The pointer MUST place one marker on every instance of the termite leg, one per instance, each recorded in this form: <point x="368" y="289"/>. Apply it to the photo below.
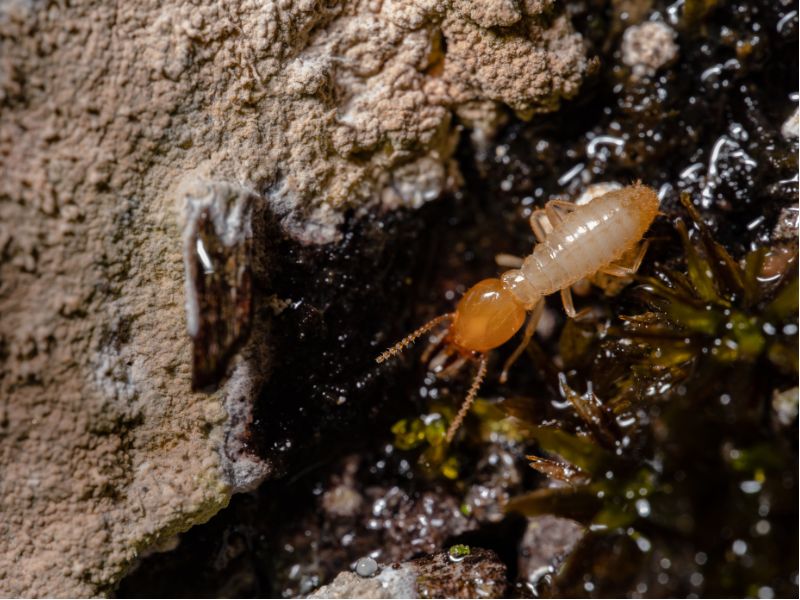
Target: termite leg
<point x="471" y="395"/>
<point x="452" y="368"/>
<point x="433" y="343"/>
<point x="553" y="207"/>
<point x="530" y="329"/>
<point x="637" y="262"/>
<point x="540" y="225"/>
<point x="409" y="339"/>
<point x="437" y="363"/>
<point x="508" y="261"/>
<point x="569" y="305"/>
<point x="623" y="270"/>
<point x="617" y="270"/>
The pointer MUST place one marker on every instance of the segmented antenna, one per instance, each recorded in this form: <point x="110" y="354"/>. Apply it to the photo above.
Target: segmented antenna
<point x="471" y="395"/>
<point x="410" y="338"/>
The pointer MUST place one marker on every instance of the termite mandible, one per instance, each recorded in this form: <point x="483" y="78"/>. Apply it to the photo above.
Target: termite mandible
<point x="574" y="242"/>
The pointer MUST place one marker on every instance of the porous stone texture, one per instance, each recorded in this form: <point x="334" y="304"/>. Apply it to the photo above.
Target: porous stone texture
<point x="391" y="582"/>
<point x="479" y="574"/>
<point x="115" y="120"/>
<point x="548" y="540"/>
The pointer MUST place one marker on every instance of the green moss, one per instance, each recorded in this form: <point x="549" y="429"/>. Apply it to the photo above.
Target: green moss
<point x="679" y="449"/>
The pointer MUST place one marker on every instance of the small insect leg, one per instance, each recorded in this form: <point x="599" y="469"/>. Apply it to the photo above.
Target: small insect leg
<point x="616" y="270"/>
<point x="637" y="262"/>
<point x="508" y="261"/>
<point x="452" y="368"/>
<point x="556" y="209"/>
<point x="471" y="395"/>
<point x="569" y="305"/>
<point x="433" y="343"/>
<point x="530" y="329"/>
<point x="438" y="362"/>
<point x="620" y="269"/>
<point x="540" y="225"/>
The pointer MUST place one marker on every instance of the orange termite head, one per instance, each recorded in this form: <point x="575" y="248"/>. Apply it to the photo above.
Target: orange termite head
<point x="486" y="317"/>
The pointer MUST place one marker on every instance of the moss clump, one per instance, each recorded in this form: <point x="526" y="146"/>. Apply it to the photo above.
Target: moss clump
<point x="458" y="551"/>
<point x="683" y="473"/>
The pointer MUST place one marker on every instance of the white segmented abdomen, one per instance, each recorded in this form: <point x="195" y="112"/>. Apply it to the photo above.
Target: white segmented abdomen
<point x="585" y="241"/>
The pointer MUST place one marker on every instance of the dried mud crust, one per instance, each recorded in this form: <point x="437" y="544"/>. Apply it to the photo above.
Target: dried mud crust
<point x="114" y="120"/>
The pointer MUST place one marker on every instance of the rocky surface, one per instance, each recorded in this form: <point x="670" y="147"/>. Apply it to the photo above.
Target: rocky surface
<point x="477" y="574"/>
<point x="143" y="147"/>
<point x="389" y="523"/>
<point x="548" y="540"/>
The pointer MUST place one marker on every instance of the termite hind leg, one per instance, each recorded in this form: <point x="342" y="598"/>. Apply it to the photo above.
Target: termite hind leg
<point x="637" y="262"/>
<point x="620" y="269"/>
<point x="508" y="261"/>
<point x="409" y="339"/>
<point x="530" y="329"/>
<point x="471" y="395"/>
<point x="617" y="270"/>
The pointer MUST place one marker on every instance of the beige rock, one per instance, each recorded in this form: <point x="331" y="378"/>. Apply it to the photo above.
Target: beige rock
<point x="116" y="120"/>
<point x="477" y="574"/>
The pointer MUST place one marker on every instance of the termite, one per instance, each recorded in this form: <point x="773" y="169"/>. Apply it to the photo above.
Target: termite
<point x="574" y="242"/>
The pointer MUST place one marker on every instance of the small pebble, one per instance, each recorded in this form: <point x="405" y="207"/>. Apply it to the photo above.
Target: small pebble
<point x="366" y="567"/>
<point x="648" y="47"/>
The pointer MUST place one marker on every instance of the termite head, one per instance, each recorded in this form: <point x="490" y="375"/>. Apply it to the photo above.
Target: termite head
<point x="486" y="317"/>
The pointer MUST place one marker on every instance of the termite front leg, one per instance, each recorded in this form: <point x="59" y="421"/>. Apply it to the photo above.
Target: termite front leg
<point x="453" y="368"/>
<point x="530" y="329"/>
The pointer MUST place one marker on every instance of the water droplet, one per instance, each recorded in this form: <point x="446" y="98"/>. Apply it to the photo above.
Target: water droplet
<point x="366" y="567"/>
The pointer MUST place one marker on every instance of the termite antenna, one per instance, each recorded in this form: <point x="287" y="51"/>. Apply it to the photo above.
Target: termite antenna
<point x="471" y="395"/>
<point x="410" y="338"/>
